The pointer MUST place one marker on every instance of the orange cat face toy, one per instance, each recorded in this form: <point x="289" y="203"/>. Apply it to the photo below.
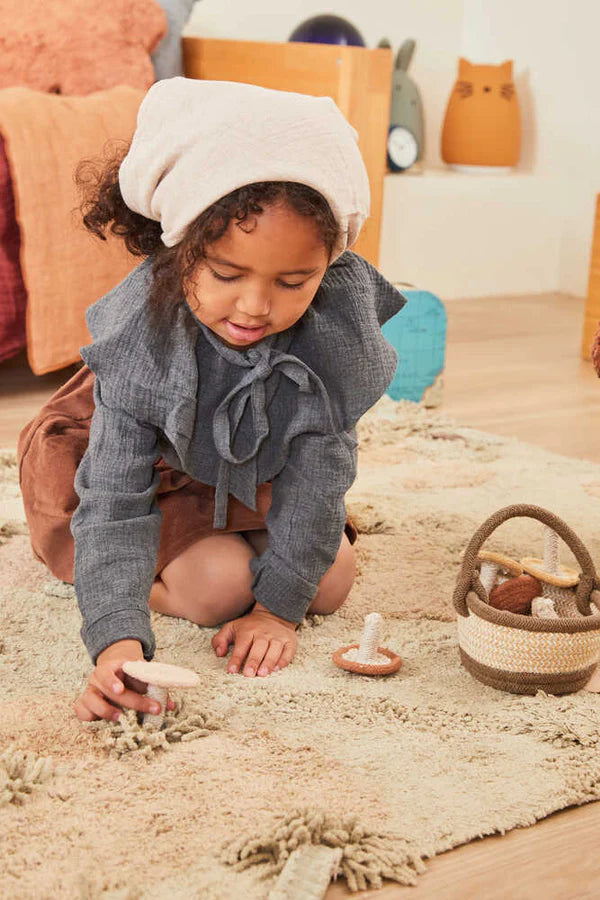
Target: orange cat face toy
<point x="482" y="126"/>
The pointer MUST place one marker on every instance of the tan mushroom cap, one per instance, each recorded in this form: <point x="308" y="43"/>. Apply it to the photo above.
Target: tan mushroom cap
<point x="161" y="674"/>
<point x="507" y="562"/>
<point x="567" y="577"/>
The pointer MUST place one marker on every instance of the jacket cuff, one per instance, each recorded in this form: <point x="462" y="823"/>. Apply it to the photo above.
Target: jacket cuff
<point x="124" y="624"/>
<point x="281" y="590"/>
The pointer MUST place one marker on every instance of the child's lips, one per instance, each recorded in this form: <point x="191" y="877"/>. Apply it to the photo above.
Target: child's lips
<point x="243" y="332"/>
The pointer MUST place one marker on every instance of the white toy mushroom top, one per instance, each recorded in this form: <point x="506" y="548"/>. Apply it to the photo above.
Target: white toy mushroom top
<point x="159" y="677"/>
<point x="161" y="674"/>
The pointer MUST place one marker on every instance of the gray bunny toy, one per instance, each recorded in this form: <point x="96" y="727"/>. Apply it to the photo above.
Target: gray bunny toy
<point x="406" y="137"/>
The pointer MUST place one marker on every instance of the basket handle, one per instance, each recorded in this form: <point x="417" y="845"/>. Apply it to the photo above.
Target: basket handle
<point x="468" y="577"/>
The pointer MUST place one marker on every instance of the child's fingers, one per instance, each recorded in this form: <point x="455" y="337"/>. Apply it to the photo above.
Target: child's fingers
<point x="113" y="681"/>
<point x="102" y="680"/>
<point x="256" y="656"/>
<point x="271" y="657"/>
<point x="82" y="712"/>
<point x="289" y="651"/>
<point x="222" y="639"/>
<point x="111" y="678"/>
<point x="96" y="703"/>
<point x="106" y="678"/>
<point x="139" y="702"/>
<point x="240" y="650"/>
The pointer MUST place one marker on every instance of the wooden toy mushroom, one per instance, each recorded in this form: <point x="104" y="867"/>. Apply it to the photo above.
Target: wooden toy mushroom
<point x="368" y="658"/>
<point x="493" y="564"/>
<point x="556" y="579"/>
<point x="159" y="677"/>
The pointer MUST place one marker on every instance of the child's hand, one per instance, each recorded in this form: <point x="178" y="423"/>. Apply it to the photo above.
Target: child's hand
<point x="269" y="642"/>
<point x="108" y="682"/>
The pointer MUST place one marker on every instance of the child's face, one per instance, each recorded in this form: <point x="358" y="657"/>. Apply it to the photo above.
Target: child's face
<point x="258" y="282"/>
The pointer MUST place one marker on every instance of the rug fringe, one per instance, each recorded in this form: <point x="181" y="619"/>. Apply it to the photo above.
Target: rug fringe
<point x="307" y="873"/>
<point x="20" y="772"/>
<point x="367" y="857"/>
<point x="127" y="735"/>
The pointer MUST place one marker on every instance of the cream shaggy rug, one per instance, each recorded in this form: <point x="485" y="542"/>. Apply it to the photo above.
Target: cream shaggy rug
<point x="392" y="770"/>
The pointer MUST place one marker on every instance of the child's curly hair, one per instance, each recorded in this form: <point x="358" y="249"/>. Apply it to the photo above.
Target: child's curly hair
<point x="103" y="208"/>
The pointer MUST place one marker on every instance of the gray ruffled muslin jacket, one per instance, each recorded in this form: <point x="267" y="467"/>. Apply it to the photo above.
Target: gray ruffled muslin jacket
<point x="284" y="410"/>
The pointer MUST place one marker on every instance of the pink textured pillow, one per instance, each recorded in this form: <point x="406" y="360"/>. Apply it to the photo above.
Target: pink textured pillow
<point x="13" y="297"/>
<point x="79" y="46"/>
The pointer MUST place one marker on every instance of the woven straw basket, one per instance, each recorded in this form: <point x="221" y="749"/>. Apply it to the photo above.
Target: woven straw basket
<point x="524" y="654"/>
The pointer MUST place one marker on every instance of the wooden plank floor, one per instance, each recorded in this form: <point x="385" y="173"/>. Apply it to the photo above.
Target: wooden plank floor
<point x="22" y="394"/>
<point x="512" y="368"/>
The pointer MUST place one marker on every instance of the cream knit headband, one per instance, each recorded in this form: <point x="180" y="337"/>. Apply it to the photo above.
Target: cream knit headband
<point x="197" y="140"/>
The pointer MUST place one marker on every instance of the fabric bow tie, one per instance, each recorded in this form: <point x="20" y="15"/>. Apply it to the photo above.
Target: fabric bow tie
<point x="251" y="389"/>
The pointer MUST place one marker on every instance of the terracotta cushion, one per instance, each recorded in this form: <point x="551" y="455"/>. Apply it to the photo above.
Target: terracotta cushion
<point x="65" y="269"/>
<point x="79" y="46"/>
<point x="13" y="296"/>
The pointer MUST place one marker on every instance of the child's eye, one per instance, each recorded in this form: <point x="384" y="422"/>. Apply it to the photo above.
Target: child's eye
<point x="284" y="284"/>
<point x="223" y="278"/>
<point x="292" y="287"/>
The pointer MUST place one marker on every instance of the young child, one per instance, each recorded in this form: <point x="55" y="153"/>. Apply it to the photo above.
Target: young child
<point x="197" y="464"/>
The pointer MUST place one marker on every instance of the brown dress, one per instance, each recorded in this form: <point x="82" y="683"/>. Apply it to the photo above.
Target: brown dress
<point x="49" y="451"/>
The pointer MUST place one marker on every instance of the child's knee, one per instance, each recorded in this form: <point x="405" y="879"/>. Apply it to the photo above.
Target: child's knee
<point x="337" y="582"/>
<point x="228" y="599"/>
<point x="210" y="582"/>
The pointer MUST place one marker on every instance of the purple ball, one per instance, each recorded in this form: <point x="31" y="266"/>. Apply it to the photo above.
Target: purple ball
<point x="328" y="29"/>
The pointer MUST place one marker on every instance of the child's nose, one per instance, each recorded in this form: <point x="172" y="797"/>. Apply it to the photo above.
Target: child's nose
<point x="255" y="304"/>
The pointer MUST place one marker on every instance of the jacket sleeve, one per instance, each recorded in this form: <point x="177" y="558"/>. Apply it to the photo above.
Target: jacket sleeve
<point x="116" y="529"/>
<point x="305" y="522"/>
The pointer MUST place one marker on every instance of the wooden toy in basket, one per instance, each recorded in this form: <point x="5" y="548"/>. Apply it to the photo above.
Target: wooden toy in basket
<point x="556" y="648"/>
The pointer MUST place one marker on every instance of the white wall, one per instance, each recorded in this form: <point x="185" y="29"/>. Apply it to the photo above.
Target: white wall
<point x="470" y="235"/>
<point x="557" y="69"/>
<point x="434" y="24"/>
<point x="557" y="64"/>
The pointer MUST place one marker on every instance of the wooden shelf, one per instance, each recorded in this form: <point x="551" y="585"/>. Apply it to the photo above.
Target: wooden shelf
<point x="592" y="305"/>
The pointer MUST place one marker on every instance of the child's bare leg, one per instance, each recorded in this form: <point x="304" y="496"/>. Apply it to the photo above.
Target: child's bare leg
<point x="208" y="583"/>
<point x="335" y="584"/>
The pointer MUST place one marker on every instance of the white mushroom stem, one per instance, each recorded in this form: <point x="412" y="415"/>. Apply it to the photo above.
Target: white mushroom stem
<point x="562" y="599"/>
<point x="159" y="677"/>
<point x="487" y="575"/>
<point x="551" y="551"/>
<point x="370" y="639"/>
<point x="160" y="695"/>
<point x="543" y="608"/>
